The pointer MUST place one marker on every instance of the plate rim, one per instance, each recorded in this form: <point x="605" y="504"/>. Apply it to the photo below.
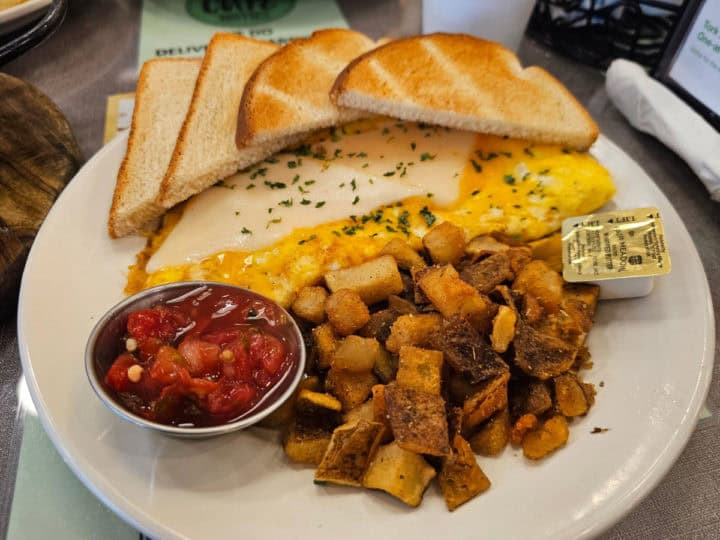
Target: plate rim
<point x="20" y="10"/>
<point x="609" y="515"/>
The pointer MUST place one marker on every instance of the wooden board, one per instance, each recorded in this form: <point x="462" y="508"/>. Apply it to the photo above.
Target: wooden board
<point x="38" y="157"/>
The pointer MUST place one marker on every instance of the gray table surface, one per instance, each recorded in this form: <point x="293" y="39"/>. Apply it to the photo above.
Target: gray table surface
<point x="94" y="54"/>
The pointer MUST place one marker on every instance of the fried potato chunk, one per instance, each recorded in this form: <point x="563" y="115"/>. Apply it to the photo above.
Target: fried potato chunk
<point x="364" y="411"/>
<point x="503" y="329"/>
<point x="412" y="330"/>
<point x="481" y="246"/>
<point x="569" y="395"/>
<point x="420" y="369"/>
<point x="350" y="388"/>
<point x="402" y="474"/>
<point x="480" y="406"/>
<point x="552" y="435"/>
<point x="310" y="304"/>
<point x="525" y="423"/>
<point x="325" y="342"/>
<point x="493" y="436"/>
<point x="346" y="311"/>
<point x="549" y="249"/>
<point x="373" y="280"/>
<point x="417" y="420"/>
<point x="351" y="448"/>
<point x="445" y="243"/>
<point x="356" y="354"/>
<point x="461" y="478"/>
<point x="306" y="442"/>
<point x="452" y="296"/>
<point x="404" y="254"/>
<point x="540" y="282"/>
<point x="488" y="273"/>
<point x="541" y="355"/>
<point x="379" y="325"/>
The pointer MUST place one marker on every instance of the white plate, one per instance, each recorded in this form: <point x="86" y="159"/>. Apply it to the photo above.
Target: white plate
<point x="653" y="354"/>
<point x="16" y="16"/>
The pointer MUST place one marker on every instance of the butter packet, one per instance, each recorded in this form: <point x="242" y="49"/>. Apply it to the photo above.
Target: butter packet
<point x="622" y="251"/>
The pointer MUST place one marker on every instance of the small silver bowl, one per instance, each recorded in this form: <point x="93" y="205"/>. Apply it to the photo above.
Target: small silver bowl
<point x="102" y="350"/>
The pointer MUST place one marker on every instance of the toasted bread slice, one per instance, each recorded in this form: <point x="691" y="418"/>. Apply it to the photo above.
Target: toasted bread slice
<point x="289" y="92"/>
<point x="205" y="151"/>
<point x="467" y="83"/>
<point x="162" y="99"/>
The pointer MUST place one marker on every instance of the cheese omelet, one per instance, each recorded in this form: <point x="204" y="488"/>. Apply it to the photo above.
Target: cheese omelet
<point x="337" y="200"/>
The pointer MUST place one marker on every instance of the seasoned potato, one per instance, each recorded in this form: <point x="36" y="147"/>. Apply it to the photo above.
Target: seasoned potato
<point x="306" y="442"/>
<point x="503" y="329"/>
<point x="493" y="436"/>
<point x="325" y="343"/>
<point x="356" y="354"/>
<point x="484" y="245"/>
<point x="373" y="280"/>
<point x="283" y="415"/>
<point x="452" y="296"/>
<point x="461" y="478"/>
<point x="417" y="420"/>
<point x="400" y="473"/>
<point x="350" y="450"/>
<point x="346" y="311"/>
<point x="310" y="304"/>
<point x="378" y="326"/>
<point x="540" y="282"/>
<point x="549" y="250"/>
<point x="386" y="366"/>
<point x="569" y="395"/>
<point x="315" y="403"/>
<point x="420" y="369"/>
<point x="380" y="409"/>
<point x="350" y="388"/>
<point x="445" y="243"/>
<point x="552" y="435"/>
<point x="404" y="254"/>
<point x="529" y="396"/>
<point x="488" y="273"/>
<point x="366" y="411"/>
<point x="527" y="422"/>
<point x="412" y="330"/>
<point x="483" y="404"/>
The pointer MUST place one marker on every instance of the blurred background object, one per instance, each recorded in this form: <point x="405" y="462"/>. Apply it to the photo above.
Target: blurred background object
<point x="503" y="21"/>
<point x="597" y="31"/>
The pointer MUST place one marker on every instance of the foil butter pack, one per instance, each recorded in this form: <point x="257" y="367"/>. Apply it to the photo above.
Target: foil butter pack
<point x="621" y="251"/>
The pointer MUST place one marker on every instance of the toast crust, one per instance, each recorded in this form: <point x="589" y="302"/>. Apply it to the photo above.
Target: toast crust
<point x="120" y="225"/>
<point x="289" y="92"/>
<point x="174" y="189"/>
<point x="463" y="82"/>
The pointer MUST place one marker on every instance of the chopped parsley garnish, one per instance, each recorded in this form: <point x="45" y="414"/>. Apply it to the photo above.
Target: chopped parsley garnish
<point x="237" y="212"/>
<point x="337" y="153"/>
<point x="544" y="171"/>
<point x="389" y="173"/>
<point x="413" y="146"/>
<point x="509" y="179"/>
<point x="222" y="184"/>
<point x="245" y="230"/>
<point x="303" y="190"/>
<point x="273" y="221"/>
<point x="475" y="192"/>
<point x="319" y="204"/>
<point x="356" y="199"/>
<point x="271" y="160"/>
<point x="336" y="233"/>
<point x="403" y="218"/>
<point x="353" y="183"/>
<point x="529" y="152"/>
<point x="507" y="154"/>
<point x="305" y="202"/>
<point x="430" y="195"/>
<point x="308" y="239"/>
<point x="428" y="215"/>
<point x="295" y="179"/>
<point x="260" y="172"/>
<point x="385" y="131"/>
<point x="365" y="166"/>
<point x="362" y="154"/>
<point x="275" y="185"/>
<point x="390" y="229"/>
<point x="517" y="206"/>
<point x="309" y="182"/>
<point x="287" y="203"/>
<point x="476" y="166"/>
<point x="250" y="186"/>
<point x="426" y="155"/>
<point x="303" y="150"/>
<point x="483" y="157"/>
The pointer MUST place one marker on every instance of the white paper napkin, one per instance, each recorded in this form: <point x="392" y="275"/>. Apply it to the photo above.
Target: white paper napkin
<point x="652" y="108"/>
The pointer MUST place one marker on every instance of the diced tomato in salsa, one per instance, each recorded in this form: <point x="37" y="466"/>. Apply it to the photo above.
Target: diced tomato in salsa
<point x="202" y="360"/>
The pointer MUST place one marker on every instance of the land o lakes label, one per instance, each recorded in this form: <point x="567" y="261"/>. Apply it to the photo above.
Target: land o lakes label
<point x="238" y="12"/>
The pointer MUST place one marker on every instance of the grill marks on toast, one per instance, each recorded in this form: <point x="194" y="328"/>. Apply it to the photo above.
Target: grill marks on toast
<point x="466" y="83"/>
<point x="289" y="92"/>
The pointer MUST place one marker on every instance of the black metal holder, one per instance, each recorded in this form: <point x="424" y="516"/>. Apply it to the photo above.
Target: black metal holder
<point x="32" y="36"/>
<point x="597" y="31"/>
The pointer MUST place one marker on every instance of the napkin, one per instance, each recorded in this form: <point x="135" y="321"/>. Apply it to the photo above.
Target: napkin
<point x="651" y="107"/>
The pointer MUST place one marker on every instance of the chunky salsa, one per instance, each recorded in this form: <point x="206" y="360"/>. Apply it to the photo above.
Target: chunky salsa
<point x="202" y="359"/>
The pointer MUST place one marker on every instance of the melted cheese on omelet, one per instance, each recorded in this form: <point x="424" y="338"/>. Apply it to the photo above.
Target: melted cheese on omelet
<point x="339" y="199"/>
